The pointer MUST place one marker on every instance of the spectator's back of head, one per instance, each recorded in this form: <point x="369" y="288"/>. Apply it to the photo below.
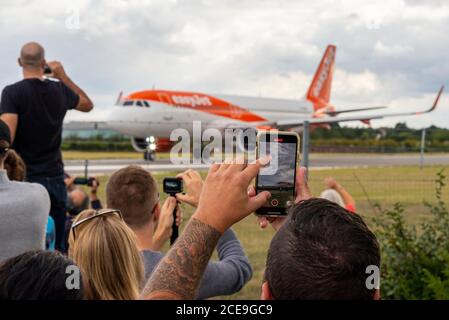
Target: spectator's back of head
<point x="105" y="249"/>
<point x="134" y="192"/>
<point x="32" y="56"/>
<point x="37" y="275"/>
<point x="321" y="252"/>
<point x="15" y="166"/>
<point x="77" y="201"/>
<point x="5" y="141"/>
<point x="332" y="195"/>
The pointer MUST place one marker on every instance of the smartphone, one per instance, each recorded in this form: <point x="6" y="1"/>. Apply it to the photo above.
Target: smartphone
<point x="279" y="176"/>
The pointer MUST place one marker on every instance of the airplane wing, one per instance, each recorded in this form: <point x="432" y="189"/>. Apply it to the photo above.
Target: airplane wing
<point x="367" y="118"/>
<point x="337" y="112"/>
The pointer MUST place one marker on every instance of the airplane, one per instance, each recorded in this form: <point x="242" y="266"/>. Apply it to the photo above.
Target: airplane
<point x="150" y="116"/>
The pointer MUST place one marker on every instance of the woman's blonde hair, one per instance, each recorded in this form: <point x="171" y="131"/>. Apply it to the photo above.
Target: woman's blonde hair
<point x="105" y="249"/>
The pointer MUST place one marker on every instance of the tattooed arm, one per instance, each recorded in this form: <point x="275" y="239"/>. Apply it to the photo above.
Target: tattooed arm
<point x="179" y="273"/>
<point x="223" y="202"/>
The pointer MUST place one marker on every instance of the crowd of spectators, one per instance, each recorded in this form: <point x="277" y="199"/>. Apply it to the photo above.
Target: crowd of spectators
<point x="49" y="225"/>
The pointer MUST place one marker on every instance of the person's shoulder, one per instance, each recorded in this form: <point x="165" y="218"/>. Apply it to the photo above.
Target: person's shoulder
<point x="31" y="195"/>
<point x="14" y="86"/>
<point x="54" y="82"/>
<point x="21" y="85"/>
<point x="32" y="189"/>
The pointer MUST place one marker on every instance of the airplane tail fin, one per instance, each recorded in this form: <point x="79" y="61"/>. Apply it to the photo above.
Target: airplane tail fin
<point x="320" y="88"/>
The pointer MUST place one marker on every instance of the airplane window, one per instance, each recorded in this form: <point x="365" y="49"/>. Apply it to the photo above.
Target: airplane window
<point x="128" y="103"/>
<point x="139" y="104"/>
<point x="146" y="104"/>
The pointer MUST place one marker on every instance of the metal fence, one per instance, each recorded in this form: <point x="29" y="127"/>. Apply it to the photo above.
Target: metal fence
<point x="386" y="190"/>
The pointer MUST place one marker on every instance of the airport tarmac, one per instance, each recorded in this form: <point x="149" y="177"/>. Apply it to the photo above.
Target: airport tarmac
<point x="320" y="161"/>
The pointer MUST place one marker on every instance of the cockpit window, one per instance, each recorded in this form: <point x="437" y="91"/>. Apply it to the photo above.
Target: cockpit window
<point x="139" y="103"/>
<point x="128" y="103"/>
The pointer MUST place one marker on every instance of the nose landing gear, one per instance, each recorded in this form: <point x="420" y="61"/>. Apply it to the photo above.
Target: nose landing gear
<point x="149" y="155"/>
<point x="150" y="150"/>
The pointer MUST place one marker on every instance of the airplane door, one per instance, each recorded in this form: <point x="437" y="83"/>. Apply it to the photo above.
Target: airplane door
<point x="168" y="114"/>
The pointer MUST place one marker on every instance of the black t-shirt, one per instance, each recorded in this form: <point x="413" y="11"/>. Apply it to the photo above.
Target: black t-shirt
<point x="41" y="107"/>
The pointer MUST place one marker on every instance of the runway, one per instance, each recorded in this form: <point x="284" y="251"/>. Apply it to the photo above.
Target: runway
<point x="318" y="161"/>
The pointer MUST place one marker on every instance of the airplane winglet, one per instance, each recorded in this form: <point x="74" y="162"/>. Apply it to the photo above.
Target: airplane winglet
<point x="437" y="99"/>
<point x="435" y="103"/>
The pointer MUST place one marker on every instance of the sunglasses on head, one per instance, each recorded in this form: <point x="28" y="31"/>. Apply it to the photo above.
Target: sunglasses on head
<point x="98" y="213"/>
<point x="3" y="151"/>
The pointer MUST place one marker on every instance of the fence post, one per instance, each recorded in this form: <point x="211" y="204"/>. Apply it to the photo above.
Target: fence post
<point x="423" y="145"/>
<point x="305" y="146"/>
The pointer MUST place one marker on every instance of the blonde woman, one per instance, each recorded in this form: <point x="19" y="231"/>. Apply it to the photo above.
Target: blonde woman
<point x="105" y="249"/>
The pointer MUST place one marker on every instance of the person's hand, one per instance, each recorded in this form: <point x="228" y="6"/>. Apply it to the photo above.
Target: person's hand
<point x="57" y="70"/>
<point x="224" y="199"/>
<point x="163" y="230"/>
<point x="93" y="189"/>
<point x="302" y="186"/>
<point x="302" y="193"/>
<point x="94" y="186"/>
<point x="194" y="184"/>
<point x="69" y="180"/>
<point x="331" y="183"/>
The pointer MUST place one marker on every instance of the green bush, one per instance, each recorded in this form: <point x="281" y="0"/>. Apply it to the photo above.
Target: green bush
<point x="415" y="258"/>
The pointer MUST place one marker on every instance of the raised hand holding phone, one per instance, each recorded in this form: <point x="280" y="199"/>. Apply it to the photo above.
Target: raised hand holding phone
<point x="302" y="193"/>
<point x="279" y="177"/>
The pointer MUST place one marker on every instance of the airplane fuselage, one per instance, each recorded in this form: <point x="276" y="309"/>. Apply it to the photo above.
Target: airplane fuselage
<point x="158" y="113"/>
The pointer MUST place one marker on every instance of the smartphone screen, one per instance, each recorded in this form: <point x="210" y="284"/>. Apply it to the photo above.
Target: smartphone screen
<point x="279" y="176"/>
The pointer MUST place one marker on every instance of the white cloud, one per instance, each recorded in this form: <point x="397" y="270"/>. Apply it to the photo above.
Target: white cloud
<point x="387" y="50"/>
<point x="392" y="50"/>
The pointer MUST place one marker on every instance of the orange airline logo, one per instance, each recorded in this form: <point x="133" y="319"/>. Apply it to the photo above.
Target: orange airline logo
<point x="200" y="102"/>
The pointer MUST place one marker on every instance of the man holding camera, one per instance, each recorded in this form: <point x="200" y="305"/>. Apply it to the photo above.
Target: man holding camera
<point x="34" y="109"/>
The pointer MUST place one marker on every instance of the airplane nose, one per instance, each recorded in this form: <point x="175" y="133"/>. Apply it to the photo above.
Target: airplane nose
<point x="114" y="117"/>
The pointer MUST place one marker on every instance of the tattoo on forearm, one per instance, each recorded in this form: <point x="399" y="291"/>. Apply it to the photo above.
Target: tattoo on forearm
<point x="178" y="275"/>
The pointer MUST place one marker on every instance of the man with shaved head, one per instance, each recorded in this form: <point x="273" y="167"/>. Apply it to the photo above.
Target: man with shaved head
<point x="34" y="109"/>
<point x="32" y="56"/>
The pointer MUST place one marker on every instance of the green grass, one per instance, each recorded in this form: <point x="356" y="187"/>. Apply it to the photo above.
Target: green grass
<point x="408" y="185"/>
<point x="96" y="155"/>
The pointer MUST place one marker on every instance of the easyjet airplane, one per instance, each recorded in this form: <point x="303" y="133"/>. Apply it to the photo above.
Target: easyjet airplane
<point x="150" y="116"/>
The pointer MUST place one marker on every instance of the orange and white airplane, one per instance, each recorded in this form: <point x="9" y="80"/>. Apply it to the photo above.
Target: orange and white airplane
<point x="150" y="116"/>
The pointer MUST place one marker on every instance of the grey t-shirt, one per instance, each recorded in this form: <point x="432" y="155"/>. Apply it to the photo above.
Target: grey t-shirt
<point x="223" y="277"/>
<point x="24" y="209"/>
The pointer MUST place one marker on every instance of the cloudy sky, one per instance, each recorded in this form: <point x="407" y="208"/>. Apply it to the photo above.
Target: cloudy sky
<point x="389" y="52"/>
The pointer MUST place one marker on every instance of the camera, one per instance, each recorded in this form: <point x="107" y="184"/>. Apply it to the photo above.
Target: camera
<point x="86" y="181"/>
<point x="172" y="186"/>
<point x="47" y="69"/>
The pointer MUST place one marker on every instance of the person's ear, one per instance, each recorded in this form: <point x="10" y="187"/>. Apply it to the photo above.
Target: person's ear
<point x="376" y="295"/>
<point x="43" y="63"/>
<point x="156" y="212"/>
<point x="19" y="62"/>
<point x="266" y="292"/>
